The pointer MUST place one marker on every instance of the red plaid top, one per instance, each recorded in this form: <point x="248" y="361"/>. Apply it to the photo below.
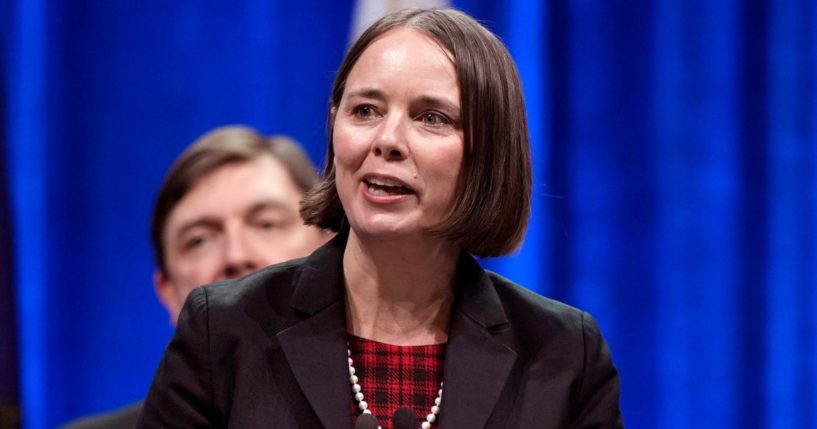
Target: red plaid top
<point x="391" y="377"/>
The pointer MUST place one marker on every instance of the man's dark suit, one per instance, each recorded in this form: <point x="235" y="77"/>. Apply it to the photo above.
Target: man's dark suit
<point x="269" y="350"/>
<point x="123" y="418"/>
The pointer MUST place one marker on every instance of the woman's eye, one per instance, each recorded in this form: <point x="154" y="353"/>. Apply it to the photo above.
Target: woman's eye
<point x="434" y="119"/>
<point x="364" y="111"/>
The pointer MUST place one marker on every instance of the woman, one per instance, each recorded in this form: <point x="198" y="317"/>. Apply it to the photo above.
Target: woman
<point x="428" y="164"/>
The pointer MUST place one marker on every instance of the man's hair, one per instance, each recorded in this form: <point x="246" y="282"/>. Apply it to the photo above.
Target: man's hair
<point x="489" y="215"/>
<point x="217" y="148"/>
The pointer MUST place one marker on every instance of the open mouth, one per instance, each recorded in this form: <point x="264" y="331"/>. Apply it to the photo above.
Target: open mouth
<point x="382" y="187"/>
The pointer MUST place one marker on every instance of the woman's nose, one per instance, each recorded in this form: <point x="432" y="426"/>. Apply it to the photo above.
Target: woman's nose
<point x="390" y="141"/>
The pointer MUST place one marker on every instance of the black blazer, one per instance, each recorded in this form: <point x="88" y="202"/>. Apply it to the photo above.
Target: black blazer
<point x="269" y="350"/>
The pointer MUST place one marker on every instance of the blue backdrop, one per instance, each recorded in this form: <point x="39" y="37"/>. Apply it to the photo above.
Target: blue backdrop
<point x="675" y="152"/>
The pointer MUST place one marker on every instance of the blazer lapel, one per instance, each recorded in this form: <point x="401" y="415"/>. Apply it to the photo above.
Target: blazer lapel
<point x="315" y="347"/>
<point x="478" y="361"/>
<point x="316" y="352"/>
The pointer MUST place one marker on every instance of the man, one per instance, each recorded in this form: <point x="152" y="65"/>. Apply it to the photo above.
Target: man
<point x="228" y="206"/>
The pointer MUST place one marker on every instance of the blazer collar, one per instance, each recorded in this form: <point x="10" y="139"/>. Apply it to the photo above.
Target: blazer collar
<point x="478" y="355"/>
<point x="320" y="282"/>
<point x="476" y="296"/>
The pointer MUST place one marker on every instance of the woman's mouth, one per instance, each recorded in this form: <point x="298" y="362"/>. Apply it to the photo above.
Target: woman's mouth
<point x="380" y="186"/>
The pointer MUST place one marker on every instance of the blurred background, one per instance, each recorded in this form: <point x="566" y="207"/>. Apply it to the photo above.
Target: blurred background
<point x="675" y="158"/>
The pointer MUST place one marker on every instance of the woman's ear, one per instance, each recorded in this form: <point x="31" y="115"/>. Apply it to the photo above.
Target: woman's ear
<point x="333" y="110"/>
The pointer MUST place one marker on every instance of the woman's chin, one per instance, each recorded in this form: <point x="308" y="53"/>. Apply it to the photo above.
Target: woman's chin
<point x="383" y="230"/>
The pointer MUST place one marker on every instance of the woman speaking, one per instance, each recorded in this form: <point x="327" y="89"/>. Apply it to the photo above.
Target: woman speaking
<point x="393" y="322"/>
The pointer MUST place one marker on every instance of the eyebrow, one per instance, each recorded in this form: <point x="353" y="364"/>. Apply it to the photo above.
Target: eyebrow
<point x="424" y="99"/>
<point x="368" y="93"/>
<point x="213" y="223"/>
<point x="440" y="103"/>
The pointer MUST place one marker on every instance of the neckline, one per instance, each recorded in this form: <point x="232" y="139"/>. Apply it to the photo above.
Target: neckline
<point x="353" y="337"/>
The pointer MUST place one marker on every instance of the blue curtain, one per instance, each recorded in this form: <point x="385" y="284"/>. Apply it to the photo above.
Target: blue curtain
<point x="675" y="164"/>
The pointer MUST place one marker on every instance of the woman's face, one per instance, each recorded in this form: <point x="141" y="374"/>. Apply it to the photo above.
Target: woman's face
<point x="398" y="136"/>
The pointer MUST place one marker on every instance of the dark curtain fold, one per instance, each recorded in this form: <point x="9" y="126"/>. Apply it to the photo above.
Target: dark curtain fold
<point x="9" y="380"/>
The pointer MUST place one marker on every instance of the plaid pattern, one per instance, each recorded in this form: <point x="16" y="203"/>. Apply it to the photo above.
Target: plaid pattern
<point x="396" y="376"/>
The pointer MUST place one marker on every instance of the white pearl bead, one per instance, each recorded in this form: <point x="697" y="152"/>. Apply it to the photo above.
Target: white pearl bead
<point x="350" y="361"/>
<point x="363" y="405"/>
<point x="359" y="396"/>
<point x="437" y="401"/>
<point x="353" y="379"/>
<point x="440" y="393"/>
<point x="425" y="425"/>
<point x="366" y="412"/>
<point x="431" y="417"/>
<point x="355" y="388"/>
<point x="435" y="409"/>
<point x="352" y="370"/>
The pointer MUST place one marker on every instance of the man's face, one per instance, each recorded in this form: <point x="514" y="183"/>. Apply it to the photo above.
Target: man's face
<point x="239" y="218"/>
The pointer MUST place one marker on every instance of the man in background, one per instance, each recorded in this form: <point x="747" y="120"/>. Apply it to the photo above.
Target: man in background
<point x="227" y="207"/>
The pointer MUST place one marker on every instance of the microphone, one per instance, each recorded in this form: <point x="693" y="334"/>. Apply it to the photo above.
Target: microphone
<point x="403" y="418"/>
<point x="366" y="421"/>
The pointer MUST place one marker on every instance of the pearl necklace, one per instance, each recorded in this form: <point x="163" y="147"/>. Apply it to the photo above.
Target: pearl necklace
<point x="364" y="406"/>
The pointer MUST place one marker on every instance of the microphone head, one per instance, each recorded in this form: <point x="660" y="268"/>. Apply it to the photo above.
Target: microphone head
<point x="404" y="418"/>
<point x="366" y="421"/>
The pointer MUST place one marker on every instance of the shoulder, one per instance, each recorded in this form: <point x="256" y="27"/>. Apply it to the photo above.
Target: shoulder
<point x="522" y="303"/>
<point x="271" y="284"/>
<point x="539" y="322"/>
<point x="259" y="297"/>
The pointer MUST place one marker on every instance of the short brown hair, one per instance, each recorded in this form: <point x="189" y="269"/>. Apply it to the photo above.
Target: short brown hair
<point x="490" y="215"/>
<point x="219" y="147"/>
